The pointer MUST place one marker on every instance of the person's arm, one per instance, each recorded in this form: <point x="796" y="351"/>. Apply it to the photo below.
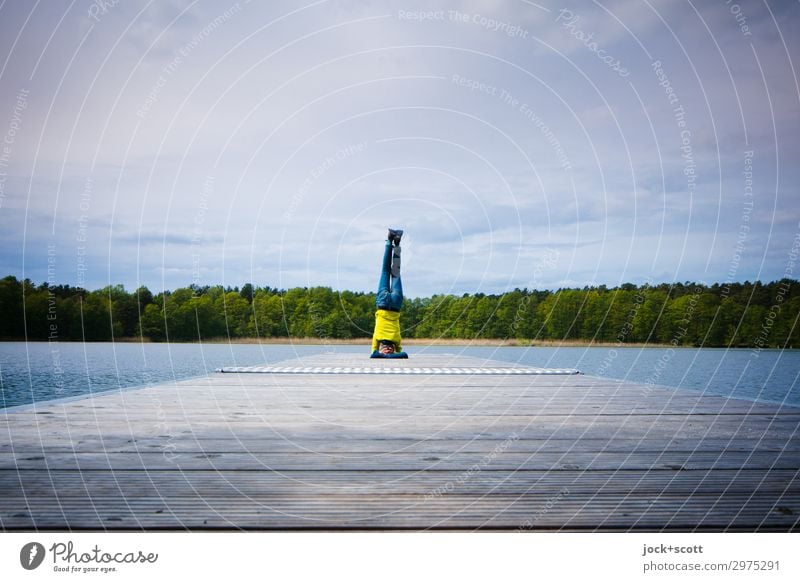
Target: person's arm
<point x="395" y="355"/>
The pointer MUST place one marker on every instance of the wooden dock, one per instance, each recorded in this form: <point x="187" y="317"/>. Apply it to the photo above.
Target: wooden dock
<point x="401" y="450"/>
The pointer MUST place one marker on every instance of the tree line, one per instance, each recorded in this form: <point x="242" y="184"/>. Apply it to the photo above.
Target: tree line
<point x="681" y="314"/>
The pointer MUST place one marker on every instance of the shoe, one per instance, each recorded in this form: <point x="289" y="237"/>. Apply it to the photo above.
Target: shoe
<point x="395" y="236"/>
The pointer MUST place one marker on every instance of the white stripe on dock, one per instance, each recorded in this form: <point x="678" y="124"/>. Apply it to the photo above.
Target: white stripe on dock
<point x="397" y="370"/>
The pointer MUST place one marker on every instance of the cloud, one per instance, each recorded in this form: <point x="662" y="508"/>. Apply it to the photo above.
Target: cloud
<point x="276" y="143"/>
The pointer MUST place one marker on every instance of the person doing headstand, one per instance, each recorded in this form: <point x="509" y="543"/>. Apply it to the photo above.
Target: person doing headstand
<point x="386" y="340"/>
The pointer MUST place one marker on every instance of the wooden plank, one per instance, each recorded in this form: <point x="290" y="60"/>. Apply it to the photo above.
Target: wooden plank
<point x="199" y="483"/>
<point x="268" y="444"/>
<point x="531" y="512"/>
<point x="527" y="408"/>
<point x="543" y="461"/>
<point x="294" y="427"/>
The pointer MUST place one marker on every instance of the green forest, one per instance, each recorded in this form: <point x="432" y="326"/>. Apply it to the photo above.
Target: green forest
<point x="681" y="314"/>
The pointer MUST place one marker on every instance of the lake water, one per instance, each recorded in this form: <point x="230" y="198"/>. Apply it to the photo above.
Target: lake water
<point x="37" y="372"/>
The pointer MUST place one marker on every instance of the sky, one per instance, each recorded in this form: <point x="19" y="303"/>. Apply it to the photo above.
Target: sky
<point x="518" y="144"/>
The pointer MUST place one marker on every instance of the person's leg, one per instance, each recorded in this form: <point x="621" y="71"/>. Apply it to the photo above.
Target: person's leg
<point x="384" y="286"/>
<point x="396" y="261"/>
<point x="397" y="293"/>
<point x="395" y="281"/>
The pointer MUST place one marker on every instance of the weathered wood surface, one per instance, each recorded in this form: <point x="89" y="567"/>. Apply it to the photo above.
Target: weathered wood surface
<point x="518" y="452"/>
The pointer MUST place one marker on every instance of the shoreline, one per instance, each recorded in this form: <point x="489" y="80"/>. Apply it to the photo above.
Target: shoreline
<point x="484" y="342"/>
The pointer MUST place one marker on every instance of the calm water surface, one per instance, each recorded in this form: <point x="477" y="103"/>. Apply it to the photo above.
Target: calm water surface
<point x="36" y="372"/>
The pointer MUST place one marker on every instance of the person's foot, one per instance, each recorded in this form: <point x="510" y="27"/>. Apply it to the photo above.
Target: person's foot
<point x="395" y="236"/>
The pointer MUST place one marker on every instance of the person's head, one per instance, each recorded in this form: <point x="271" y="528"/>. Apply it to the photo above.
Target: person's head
<point x="386" y="347"/>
